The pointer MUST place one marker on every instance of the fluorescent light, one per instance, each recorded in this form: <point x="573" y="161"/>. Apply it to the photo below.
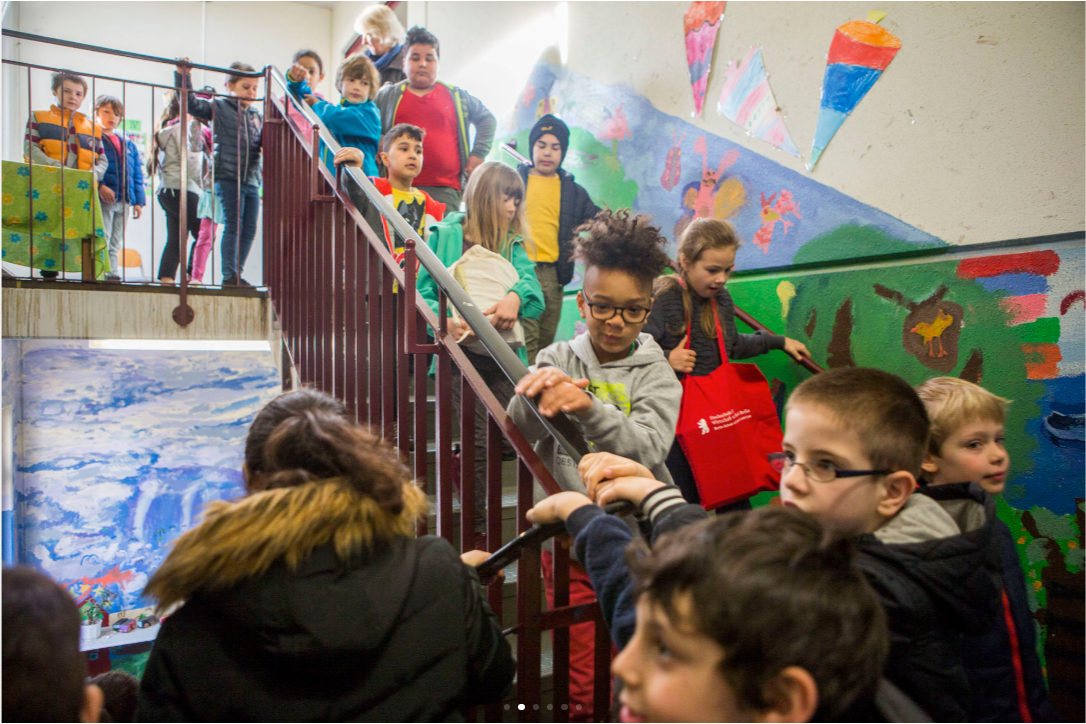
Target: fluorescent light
<point x="184" y="345"/>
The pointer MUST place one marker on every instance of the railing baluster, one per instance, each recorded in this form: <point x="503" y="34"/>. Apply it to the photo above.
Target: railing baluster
<point x="443" y="387"/>
<point x="529" y="649"/>
<point x="388" y="355"/>
<point x="339" y="271"/>
<point x="422" y="418"/>
<point x="560" y="636"/>
<point x="373" y="359"/>
<point x="467" y="465"/>
<point x="494" y="524"/>
<point x="404" y="367"/>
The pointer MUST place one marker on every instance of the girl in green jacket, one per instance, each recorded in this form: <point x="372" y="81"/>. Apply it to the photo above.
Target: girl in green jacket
<point x="494" y="220"/>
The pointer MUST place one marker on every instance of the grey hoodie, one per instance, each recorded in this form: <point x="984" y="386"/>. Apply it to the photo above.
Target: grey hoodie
<point x="635" y="406"/>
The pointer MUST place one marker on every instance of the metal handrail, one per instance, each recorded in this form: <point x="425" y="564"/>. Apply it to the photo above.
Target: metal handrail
<point x="19" y="35"/>
<point x="807" y="363"/>
<point x="560" y="427"/>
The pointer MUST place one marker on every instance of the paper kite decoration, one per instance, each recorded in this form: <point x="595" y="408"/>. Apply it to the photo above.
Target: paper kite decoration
<point x="860" y="51"/>
<point x="748" y="101"/>
<point x="700" y="26"/>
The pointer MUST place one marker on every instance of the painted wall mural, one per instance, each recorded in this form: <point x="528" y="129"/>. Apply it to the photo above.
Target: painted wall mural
<point x="1013" y="322"/>
<point x="120" y="452"/>
<point x="629" y="154"/>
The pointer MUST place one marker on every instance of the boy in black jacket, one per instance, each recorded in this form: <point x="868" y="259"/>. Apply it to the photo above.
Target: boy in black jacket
<point x="967" y="444"/>
<point x="555" y="205"/>
<point x="854" y="443"/>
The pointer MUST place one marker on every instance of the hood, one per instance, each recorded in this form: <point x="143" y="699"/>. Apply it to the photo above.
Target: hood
<point x="944" y="541"/>
<point x="647" y="352"/>
<point x="240" y="540"/>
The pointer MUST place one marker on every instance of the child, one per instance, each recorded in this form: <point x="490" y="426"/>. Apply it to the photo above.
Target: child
<point x="121" y="693"/>
<point x="314" y="76"/>
<point x="684" y="309"/>
<point x="62" y="136"/>
<point x="613" y="379"/>
<point x="401" y="155"/>
<point x="238" y="163"/>
<point x="43" y="668"/>
<point x="311" y="599"/>
<point x="210" y="212"/>
<point x="967" y="445"/>
<point x="355" y="122"/>
<point x="555" y="205"/>
<point x="854" y="443"/>
<point x="798" y="636"/>
<point x="122" y="184"/>
<point x="166" y="161"/>
<point x="495" y="222"/>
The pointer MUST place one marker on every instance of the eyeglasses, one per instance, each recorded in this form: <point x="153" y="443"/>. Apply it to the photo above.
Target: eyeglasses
<point x="820" y="472"/>
<point x="604" y="312"/>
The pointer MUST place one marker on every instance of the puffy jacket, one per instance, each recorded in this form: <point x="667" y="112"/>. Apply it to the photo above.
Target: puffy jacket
<point x="936" y="568"/>
<point x="127" y="171"/>
<point x="395" y="629"/>
<point x="576" y="208"/>
<point x="470" y="111"/>
<point x="233" y="160"/>
<point x="64" y="138"/>
<point x="168" y="156"/>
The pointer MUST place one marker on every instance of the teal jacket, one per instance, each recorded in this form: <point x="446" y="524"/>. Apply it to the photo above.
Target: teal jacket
<point x="447" y="241"/>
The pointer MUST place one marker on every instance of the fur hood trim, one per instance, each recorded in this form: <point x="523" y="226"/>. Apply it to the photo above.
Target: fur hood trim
<point x="243" y="538"/>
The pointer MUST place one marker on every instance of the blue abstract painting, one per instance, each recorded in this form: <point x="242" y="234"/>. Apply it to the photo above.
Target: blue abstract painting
<point x="120" y="450"/>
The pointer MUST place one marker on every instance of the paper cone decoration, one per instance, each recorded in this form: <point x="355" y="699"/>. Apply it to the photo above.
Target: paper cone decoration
<point x="700" y="26"/>
<point x="860" y="51"/>
<point x="748" y="101"/>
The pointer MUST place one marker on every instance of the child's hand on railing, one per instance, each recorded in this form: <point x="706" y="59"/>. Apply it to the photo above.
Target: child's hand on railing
<point x="505" y="312"/>
<point x="474" y="558"/>
<point x="349" y="157"/>
<point x="559" y="392"/>
<point x="183" y="69"/>
<point x="597" y="468"/>
<point x="797" y="349"/>
<point x="557" y="508"/>
<point x="633" y="489"/>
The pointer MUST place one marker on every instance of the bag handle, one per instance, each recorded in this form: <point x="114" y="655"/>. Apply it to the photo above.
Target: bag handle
<point x="719" y="334"/>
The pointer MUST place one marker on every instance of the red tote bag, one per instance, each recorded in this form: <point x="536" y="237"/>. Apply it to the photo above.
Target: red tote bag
<point x="728" y="424"/>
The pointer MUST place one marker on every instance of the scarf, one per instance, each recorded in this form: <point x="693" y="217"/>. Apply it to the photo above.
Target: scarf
<point x="383" y="61"/>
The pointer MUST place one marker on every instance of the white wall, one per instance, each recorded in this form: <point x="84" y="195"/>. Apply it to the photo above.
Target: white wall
<point x="215" y="33"/>
<point x="970" y="141"/>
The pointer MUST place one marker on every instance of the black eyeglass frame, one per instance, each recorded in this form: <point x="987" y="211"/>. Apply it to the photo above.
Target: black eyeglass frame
<point x="780" y="460"/>
<point x="618" y="311"/>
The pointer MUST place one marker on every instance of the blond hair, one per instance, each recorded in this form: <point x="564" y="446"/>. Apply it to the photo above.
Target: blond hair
<point x="700" y="236"/>
<point x="378" y="20"/>
<point x="485" y="223"/>
<point x="359" y="67"/>
<point x="953" y="403"/>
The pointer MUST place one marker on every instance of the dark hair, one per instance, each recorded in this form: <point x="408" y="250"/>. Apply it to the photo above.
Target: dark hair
<point x="120" y="692"/>
<point x="111" y="101"/>
<point x="286" y="405"/>
<point x="401" y="129"/>
<point x="43" y="669"/>
<point x="884" y="410"/>
<point x="59" y="77"/>
<point x="243" y="67"/>
<point x="310" y="54"/>
<point x="769" y="587"/>
<point x="422" y="36"/>
<point x="623" y="241"/>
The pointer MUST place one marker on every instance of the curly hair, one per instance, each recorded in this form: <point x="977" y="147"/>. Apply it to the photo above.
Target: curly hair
<point x="623" y="241"/>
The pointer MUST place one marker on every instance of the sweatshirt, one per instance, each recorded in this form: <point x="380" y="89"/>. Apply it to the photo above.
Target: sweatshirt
<point x="635" y="405"/>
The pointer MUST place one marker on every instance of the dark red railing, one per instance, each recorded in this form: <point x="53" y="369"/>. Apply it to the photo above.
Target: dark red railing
<point x="183" y="314"/>
<point x="355" y="327"/>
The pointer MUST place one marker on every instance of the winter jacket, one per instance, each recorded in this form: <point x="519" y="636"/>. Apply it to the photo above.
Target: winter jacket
<point x="935" y="566"/>
<point x="447" y="241"/>
<point x="667" y="326"/>
<point x="576" y="208"/>
<point x="354" y="125"/>
<point x="470" y="111"/>
<point x="635" y="405"/>
<point x="309" y="603"/>
<point x="168" y="156"/>
<point x="1002" y="664"/>
<point x="62" y="138"/>
<point x="233" y="160"/>
<point x="127" y="171"/>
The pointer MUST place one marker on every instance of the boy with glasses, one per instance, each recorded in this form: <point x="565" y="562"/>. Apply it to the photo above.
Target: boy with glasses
<point x="613" y="380"/>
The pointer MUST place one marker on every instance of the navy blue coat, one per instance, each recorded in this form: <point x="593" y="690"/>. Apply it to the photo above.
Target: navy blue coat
<point x="129" y="169"/>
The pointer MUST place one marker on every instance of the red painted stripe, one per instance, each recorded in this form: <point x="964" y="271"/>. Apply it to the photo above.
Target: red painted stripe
<point x="1043" y="263"/>
<point x="849" y="51"/>
<point x="1016" y="658"/>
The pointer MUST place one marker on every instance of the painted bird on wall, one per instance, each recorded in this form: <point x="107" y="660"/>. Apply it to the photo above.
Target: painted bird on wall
<point x="934" y="331"/>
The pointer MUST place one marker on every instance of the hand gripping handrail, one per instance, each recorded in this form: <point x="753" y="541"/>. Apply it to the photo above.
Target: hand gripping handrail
<point x="565" y="433"/>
